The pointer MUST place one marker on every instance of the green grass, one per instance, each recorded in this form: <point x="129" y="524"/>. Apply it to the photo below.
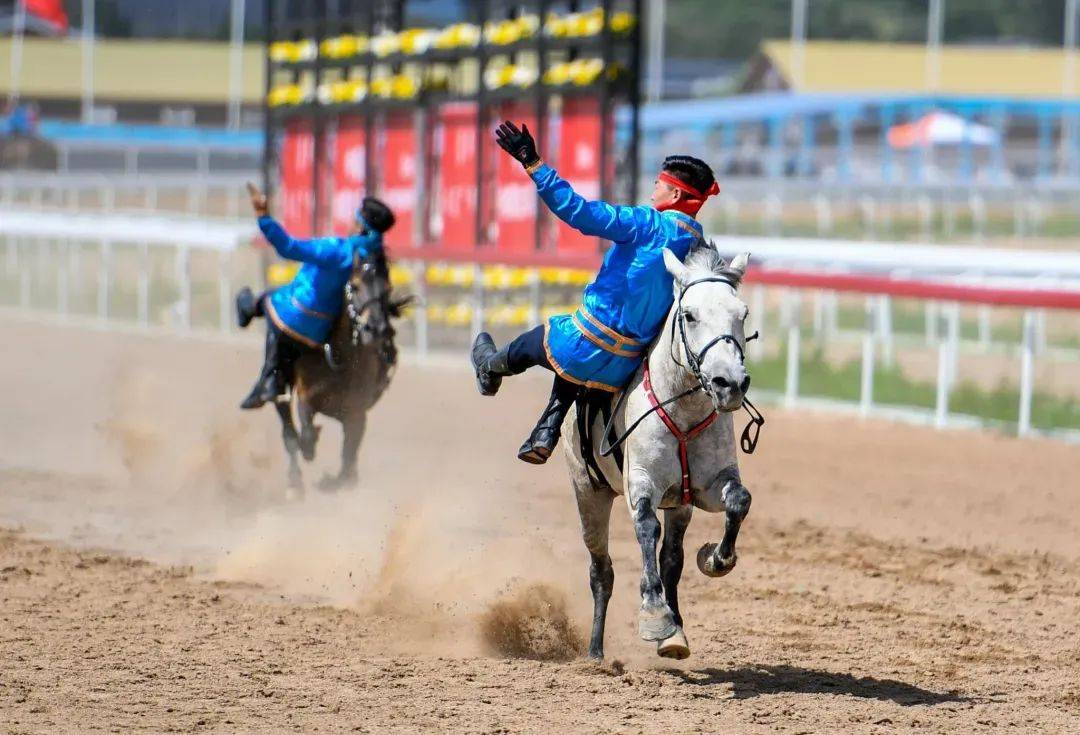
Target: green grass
<point x="818" y="378"/>
<point x="910" y="320"/>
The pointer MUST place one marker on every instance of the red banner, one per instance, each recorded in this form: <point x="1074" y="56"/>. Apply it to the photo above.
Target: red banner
<point x="455" y="162"/>
<point x="297" y="178"/>
<point x="515" y="193"/>
<point x="579" y="163"/>
<point x="350" y="171"/>
<point x="397" y="165"/>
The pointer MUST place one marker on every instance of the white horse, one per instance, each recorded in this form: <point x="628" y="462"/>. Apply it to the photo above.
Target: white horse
<point x="699" y="354"/>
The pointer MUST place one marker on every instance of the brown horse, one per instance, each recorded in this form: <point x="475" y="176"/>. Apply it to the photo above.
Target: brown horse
<point x="348" y="377"/>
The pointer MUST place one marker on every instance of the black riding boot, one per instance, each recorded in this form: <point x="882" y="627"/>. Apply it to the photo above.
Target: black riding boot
<point x="267" y="388"/>
<point x="545" y="436"/>
<point x="490" y="364"/>
<point x="269" y="385"/>
<point x="247" y="307"/>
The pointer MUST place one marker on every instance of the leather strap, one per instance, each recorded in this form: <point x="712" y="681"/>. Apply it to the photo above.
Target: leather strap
<point x="683" y="438"/>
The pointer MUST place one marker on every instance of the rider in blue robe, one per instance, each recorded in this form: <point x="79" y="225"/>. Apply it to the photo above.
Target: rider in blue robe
<point x="600" y="345"/>
<point x="300" y="314"/>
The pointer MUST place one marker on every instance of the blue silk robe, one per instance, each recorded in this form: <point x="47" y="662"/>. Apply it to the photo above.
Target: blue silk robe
<point x="306" y="307"/>
<point x="602" y="344"/>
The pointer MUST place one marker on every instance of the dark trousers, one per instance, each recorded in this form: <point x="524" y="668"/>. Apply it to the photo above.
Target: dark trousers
<point x="281" y="352"/>
<point x="527" y="351"/>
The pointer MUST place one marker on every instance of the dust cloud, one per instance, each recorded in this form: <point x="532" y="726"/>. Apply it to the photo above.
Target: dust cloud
<point x="460" y="573"/>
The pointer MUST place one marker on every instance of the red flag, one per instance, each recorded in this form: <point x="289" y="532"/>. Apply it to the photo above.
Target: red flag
<point x="398" y="169"/>
<point x="350" y="172"/>
<point x="456" y="165"/>
<point x="515" y="193"/>
<point x="298" y="178"/>
<point x="50" y="11"/>
<point x="579" y="162"/>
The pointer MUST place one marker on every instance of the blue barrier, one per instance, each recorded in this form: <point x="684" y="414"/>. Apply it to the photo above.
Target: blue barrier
<point x="120" y="134"/>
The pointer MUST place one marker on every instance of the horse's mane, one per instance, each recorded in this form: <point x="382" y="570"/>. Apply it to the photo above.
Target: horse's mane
<point x="705" y="258"/>
<point x="382" y="263"/>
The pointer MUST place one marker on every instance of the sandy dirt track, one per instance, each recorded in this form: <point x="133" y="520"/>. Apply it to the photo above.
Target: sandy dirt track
<point x="153" y="578"/>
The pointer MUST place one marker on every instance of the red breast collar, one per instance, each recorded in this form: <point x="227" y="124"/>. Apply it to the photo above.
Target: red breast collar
<point x="683" y="437"/>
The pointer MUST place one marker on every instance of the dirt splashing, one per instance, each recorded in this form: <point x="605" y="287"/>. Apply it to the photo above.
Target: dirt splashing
<point x="531" y="622"/>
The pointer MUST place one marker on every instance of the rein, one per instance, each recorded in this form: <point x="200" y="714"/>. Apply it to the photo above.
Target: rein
<point x="355" y="312"/>
<point x="749" y="438"/>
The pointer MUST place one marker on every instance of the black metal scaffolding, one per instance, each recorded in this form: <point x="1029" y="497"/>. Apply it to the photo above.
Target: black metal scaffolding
<point x="318" y="20"/>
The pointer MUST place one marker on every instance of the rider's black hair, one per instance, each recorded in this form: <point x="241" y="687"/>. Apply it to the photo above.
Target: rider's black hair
<point x="690" y="170"/>
<point x="376" y="214"/>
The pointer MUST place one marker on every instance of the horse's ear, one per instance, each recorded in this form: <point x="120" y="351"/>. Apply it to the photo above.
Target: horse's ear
<point x="674" y="266"/>
<point x="739" y="263"/>
<point x="711" y="244"/>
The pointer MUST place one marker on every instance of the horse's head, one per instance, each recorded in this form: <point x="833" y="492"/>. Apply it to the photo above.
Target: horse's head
<point x="708" y="318"/>
<point x="369" y="303"/>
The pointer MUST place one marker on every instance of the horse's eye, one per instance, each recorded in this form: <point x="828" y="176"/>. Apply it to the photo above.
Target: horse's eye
<point x="689" y="317"/>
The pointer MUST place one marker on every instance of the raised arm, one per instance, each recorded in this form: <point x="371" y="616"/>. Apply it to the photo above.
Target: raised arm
<point x="327" y="252"/>
<point x="620" y="224"/>
<point x="599" y="219"/>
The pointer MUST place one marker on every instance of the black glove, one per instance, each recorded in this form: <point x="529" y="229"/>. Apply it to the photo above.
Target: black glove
<point x="518" y="143"/>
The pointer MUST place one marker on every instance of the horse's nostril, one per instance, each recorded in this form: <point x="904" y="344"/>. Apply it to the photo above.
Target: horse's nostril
<point x="721" y="382"/>
<point x="745" y="384"/>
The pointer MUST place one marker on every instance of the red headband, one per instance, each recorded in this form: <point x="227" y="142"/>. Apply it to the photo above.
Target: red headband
<point x="683" y="186"/>
<point x="694" y="199"/>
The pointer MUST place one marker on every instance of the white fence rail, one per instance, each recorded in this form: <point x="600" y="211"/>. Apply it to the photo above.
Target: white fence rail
<point x="179" y="273"/>
<point x="217" y="195"/>
<point x="48" y="261"/>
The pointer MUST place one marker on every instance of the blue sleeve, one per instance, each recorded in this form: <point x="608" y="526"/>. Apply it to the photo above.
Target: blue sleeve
<point x="366" y="245"/>
<point x="620" y="224"/>
<point x="326" y="252"/>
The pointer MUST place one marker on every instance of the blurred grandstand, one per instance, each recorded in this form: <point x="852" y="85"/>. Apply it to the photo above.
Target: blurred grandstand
<point x="133" y="213"/>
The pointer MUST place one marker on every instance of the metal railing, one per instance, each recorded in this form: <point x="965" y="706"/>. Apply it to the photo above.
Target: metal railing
<point x="219" y="195"/>
<point x="912" y="347"/>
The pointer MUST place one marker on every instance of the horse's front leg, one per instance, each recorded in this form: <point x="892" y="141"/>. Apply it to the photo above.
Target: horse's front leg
<point x="352" y="428"/>
<point x="292" y="444"/>
<point x="309" y="432"/>
<point x="726" y="493"/>
<point x="676" y="521"/>
<point x="656" y="621"/>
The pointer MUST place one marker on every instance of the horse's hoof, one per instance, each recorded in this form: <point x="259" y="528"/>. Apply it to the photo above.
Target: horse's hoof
<point x="333" y="483"/>
<point x="307" y="449"/>
<point x="308" y="440"/>
<point x="656" y="624"/>
<point x="711" y="565"/>
<point x="675" y="647"/>
<point x="328" y="484"/>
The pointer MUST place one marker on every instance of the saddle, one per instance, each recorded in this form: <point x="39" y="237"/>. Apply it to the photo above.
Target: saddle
<point x="593" y="404"/>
